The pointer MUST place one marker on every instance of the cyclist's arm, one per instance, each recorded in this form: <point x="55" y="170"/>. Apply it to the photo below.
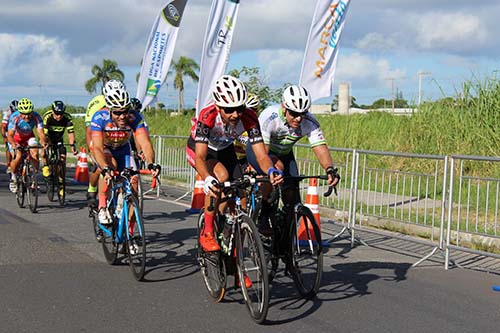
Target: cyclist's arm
<point x="41" y="136"/>
<point x="323" y="154"/>
<point x="265" y="162"/>
<point x="10" y="138"/>
<point x="142" y="140"/>
<point x="98" y="149"/>
<point x="200" y="155"/>
<point x="88" y="136"/>
<point x="72" y="140"/>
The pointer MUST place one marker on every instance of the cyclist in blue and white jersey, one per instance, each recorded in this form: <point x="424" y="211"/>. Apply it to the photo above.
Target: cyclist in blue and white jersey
<point x="111" y="130"/>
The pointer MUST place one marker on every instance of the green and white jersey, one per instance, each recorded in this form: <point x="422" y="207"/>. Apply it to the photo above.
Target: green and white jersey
<point x="281" y="137"/>
<point x="96" y="104"/>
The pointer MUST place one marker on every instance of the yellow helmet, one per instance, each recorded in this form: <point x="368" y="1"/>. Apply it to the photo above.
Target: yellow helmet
<point x="252" y="101"/>
<point x="25" y="106"/>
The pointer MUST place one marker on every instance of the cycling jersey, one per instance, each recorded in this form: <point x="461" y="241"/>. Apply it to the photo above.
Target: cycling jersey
<point x="210" y="128"/>
<point x="115" y="137"/>
<point x="5" y="120"/>
<point x="54" y="129"/>
<point x="281" y="137"/>
<point x="24" y="129"/>
<point x="97" y="103"/>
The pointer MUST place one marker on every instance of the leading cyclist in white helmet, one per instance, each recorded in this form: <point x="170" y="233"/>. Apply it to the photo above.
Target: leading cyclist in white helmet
<point x="282" y="126"/>
<point x="210" y="148"/>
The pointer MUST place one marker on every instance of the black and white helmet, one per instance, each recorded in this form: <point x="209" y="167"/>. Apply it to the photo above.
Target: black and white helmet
<point x="115" y="94"/>
<point x="229" y="92"/>
<point x="296" y="98"/>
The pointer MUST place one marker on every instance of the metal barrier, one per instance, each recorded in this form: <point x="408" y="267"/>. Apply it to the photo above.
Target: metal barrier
<point x="407" y="193"/>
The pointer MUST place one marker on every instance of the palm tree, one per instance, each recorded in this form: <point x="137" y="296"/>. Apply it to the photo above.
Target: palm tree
<point x="183" y="66"/>
<point x="108" y="71"/>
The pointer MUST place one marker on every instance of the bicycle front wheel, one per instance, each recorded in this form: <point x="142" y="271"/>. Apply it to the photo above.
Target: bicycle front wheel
<point x="32" y="189"/>
<point x="51" y="184"/>
<point x="212" y="264"/>
<point x="108" y="241"/>
<point x="306" y="253"/>
<point x="252" y="270"/>
<point x="136" y="240"/>
<point x="21" y="190"/>
<point x="61" y="181"/>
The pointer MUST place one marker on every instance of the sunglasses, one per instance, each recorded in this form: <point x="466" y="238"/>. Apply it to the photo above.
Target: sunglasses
<point x="119" y="113"/>
<point x="294" y="114"/>
<point x="239" y="109"/>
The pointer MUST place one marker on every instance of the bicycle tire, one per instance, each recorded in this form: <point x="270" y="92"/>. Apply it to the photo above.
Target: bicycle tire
<point x="32" y="188"/>
<point x="109" y="245"/>
<point x="136" y="239"/>
<point x="305" y="262"/>
<point x="21" y="190"/>
<point x="252" y="263"/>
<point x="98" y="233"/>
<point x="61" y="184"/>
<point x="140" y="193"/>
<point x="212" y="265"/>
<point x="51" y="184"/>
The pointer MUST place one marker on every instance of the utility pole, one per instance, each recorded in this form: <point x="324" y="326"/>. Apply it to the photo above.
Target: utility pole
<point x="420" y="75"/>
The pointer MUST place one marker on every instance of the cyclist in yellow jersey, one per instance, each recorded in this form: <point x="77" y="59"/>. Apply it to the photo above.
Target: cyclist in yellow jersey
<point x="97" y="103"/>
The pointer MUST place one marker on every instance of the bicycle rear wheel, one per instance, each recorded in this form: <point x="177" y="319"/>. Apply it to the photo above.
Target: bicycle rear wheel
<point x="252" y="265"/>
<point x="21" y="190"/>
<point x="305" y="263"/>
<point x="32" y="188"/>
<point x="212" y="265"/>
<point x="136" y="240"/>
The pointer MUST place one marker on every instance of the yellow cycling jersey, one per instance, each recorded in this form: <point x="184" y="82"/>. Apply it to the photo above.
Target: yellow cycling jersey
<point x="240" y="145"/>
<point x="97" y="103"/>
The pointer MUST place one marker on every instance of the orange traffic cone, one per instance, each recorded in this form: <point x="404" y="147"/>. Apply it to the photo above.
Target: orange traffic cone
<point x="198" y="199"/>
<point x="82" y="168"/>
<point x="312" y="201"/>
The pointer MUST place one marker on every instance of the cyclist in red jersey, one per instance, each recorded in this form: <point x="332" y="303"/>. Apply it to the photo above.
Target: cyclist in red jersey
<point x="210" y="148"/>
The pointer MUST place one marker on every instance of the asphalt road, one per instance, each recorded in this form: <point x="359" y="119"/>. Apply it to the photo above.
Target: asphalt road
<point x="53" y="278"/>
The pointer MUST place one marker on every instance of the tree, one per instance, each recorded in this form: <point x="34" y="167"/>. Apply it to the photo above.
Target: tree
<point x="255" y="84"/>
<point x="182" y="67"/>
<point x="108" y="71"/>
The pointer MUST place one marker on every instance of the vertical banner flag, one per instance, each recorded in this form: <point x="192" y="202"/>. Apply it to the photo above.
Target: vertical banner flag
<point x="216" y="47"/>
<point x="159" y="51"/>
<point x="320" y="58"/>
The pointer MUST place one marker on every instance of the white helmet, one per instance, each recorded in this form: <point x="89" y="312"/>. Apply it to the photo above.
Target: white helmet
<point x="252" y="101"/>
<point x="296" y="98"/>
<point x="115" y="94"/>
<point x="229" y="92"/>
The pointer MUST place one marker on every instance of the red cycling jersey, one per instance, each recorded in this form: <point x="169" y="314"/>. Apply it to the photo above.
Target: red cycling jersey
<point x="210" y="128"/>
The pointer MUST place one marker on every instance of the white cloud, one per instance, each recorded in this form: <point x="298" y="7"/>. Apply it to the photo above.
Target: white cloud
<point x="281" y="66"/>
<point x="456" y="31"/>
<point x="30" y="60"/>
<point x="367" y="71"/>
<point x="377" y="41"/>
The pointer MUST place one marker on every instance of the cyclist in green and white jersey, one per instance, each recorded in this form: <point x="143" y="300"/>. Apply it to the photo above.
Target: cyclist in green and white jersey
<point x="282" y="126"/>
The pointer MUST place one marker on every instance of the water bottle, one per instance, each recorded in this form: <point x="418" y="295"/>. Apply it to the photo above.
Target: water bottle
<point x="227" y="232"/>
<point x="119" y="205"/>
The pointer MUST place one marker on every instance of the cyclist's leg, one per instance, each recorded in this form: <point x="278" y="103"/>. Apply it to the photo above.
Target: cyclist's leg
<point x="104" y="217"/>
<point x="32" y="142"/>
<point x="95" y="172"/>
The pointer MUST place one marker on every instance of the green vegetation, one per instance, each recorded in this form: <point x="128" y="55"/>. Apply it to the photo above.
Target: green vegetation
<point x="109" y="70"/>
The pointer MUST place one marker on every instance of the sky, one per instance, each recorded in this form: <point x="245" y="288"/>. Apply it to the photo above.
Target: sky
<point x="48" y="47"/>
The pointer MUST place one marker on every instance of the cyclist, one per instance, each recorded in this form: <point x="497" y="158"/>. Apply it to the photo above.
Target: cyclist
<point x="20" y="134"/>
<point x="111" y="130"/>
<point x="241" y="142"/>
<point x="135" y="104"/>
<point x="5" y="122"/>
<point x="282" y="126"/>
<point x="210" y="148"/>
<point x="55" y="121"/>
<point x="97" y="103"/>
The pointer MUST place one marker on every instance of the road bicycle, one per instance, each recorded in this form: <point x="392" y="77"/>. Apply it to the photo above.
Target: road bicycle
<point x="295" y="238"/>
<point x="241" y="252"/>
<point x="127" y="228"/>
<point x="26" y="179"/>
<point x="56" y="181"/>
